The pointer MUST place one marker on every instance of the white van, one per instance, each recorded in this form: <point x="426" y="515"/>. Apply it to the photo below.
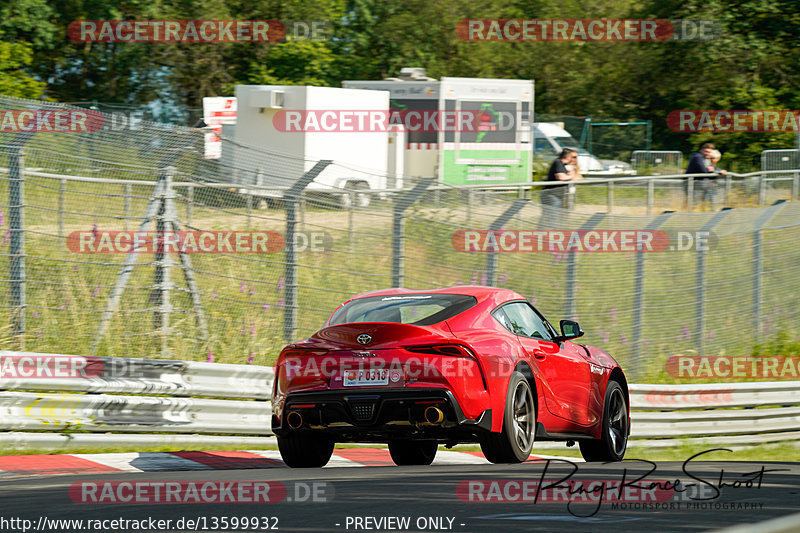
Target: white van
<point x="549" y="138"/>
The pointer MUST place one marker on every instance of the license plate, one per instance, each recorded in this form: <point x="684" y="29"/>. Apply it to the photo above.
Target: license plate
<point x="357" y="378"/>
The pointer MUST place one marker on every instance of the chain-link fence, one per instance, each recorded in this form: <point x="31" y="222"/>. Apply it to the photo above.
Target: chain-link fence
<point x="266" y="260"/>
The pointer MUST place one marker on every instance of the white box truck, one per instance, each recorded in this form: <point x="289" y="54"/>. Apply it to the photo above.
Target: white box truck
<point x="497" y="151"/>
<point x="283" y="131"/>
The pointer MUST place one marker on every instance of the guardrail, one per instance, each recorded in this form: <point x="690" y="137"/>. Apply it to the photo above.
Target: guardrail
<point x="73" y="398"/>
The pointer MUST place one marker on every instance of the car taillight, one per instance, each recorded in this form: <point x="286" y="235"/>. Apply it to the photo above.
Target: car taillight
<point x="304" y="352"/>
<point x="455" y="350"/>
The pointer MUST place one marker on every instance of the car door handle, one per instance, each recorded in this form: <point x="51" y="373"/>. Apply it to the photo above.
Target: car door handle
<point x="539" y="354"/>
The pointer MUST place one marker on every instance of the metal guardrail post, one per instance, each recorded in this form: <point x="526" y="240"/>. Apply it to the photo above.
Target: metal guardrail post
<point x="610" y="197"/>
<point x="700" y="305"/>
<point x="758" y="262"/>
<point x="762" y="190"/>
<point x="795" y="186"/>
<point x="292" y="200"/>
<point x="572" y="268"/>
<point x="651" y="193"/>
<point x="638" y="300"/>
<point x="497" y="224"/>
<point x="398" y="228"/>
<point x="689" y="194"/>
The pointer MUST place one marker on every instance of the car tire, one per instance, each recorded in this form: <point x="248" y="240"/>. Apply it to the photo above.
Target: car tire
<point x="514" y="443"/>
<point x="305" y="451"/>
<point x="413" y="452"/>
<point x="612" y="444"/>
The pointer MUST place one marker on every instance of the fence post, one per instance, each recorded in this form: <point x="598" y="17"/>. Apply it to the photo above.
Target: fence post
<point x="61" y="189"/>
<point x="610" y="196"/>
<point x="292" y="202"/>
<point x="762" y="190"/>
<point x="651" y="193"/>
<point x="728" y="183"/>
<point x="351" y="229"/>
<point x="795" y="186"/>
<point x="572" y="268"/>
<point x="499" y="222"/>
<point x="689" y="194"/>
<point x="189" y="205"/>
<point x="127" y="204"/>
<point x="758" y="262"/>
<point x="16" y="250"/>
<point x="700" y="286"/>
<point x="398" y="227"/>
<point x="638" y="301"/>
<point x="163" y="263"/>
<point x="249" y="209"/>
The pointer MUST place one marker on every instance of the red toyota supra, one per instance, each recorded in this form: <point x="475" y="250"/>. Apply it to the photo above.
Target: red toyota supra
<point x="416" y="369"/>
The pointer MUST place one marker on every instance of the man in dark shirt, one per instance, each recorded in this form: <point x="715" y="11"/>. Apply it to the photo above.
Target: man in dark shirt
<point x="553" y="195"/>
<point x="706" y="187"/>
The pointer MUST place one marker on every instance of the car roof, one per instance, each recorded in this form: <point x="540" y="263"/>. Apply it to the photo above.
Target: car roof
<point x="481" y="293"/>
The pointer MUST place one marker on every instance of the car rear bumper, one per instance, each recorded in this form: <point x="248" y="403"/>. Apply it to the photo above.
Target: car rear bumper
<point x="379" y="415"/>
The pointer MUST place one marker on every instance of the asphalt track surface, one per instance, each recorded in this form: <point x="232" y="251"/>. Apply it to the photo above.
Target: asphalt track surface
<point x="430" y="499"/>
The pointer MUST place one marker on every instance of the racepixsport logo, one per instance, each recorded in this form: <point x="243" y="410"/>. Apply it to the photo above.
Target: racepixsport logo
<point x="574" y="241"/>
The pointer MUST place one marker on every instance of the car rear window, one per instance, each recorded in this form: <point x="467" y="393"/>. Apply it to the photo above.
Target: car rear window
<point x="414" y="309"/>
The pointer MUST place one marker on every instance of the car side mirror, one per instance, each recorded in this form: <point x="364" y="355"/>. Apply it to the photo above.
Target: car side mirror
<point x="569" y="330"/>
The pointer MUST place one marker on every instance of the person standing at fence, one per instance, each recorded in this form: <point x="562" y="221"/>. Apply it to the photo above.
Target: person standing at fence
<point x="553" y="195"/>
<point x="701" y="162"/>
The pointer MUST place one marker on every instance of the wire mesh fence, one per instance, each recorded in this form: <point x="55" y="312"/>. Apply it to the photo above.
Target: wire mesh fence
<point x="266" y="258"/>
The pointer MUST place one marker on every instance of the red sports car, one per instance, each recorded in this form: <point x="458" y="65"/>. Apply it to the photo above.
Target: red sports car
<point x="464" y="364"/>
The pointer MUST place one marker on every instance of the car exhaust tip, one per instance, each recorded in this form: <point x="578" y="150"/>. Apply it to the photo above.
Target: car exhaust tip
<point x="434" y="415"/>
<point x="294" y="419"/>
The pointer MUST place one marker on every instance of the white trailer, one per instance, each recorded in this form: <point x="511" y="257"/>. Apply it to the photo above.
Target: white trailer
<point x="495" y="149"/>
<point x="282" y="131"/>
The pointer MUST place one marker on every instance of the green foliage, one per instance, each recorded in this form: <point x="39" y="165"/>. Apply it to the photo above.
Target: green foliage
<point x="13" y="80"/>
<point x="782" y="344"/>
<point x="752" y="63"/>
